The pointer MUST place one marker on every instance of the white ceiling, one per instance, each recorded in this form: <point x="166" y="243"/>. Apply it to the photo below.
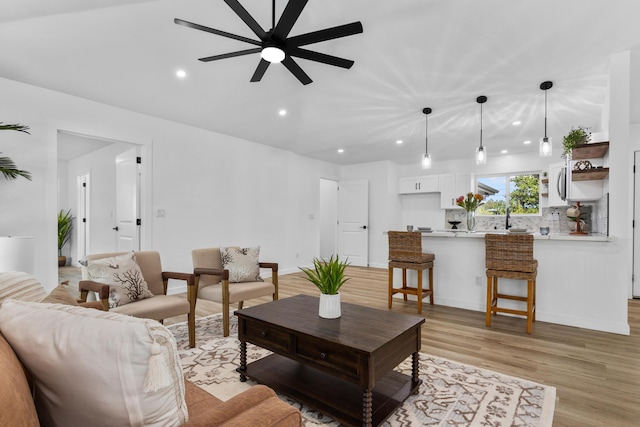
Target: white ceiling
<point x="412" y="54"/>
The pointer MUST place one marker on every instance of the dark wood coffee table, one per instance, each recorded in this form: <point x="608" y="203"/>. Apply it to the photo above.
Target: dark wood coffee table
<point x="343" y="367"/>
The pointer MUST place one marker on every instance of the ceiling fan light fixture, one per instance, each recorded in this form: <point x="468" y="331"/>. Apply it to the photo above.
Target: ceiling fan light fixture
<point x="481" y="152"/>
<point x="546" y="144"/>
<point x="426" y="157"/>
<point x="272" y="54"/>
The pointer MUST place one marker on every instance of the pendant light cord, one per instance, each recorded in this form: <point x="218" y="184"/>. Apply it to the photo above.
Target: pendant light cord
<point x="481" y="125"/>
<point x="426" y="133"/>
<point x="545" y="115"/>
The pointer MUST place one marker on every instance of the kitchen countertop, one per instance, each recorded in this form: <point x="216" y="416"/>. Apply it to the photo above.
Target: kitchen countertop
<point x="537" y="236"/>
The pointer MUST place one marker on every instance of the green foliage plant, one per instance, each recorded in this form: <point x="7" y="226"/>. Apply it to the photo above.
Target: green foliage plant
<point x="65" y="226"/>
<point x="327" y="275"/>
<point x="577" y="136"/>
<point x="8" y="168"/>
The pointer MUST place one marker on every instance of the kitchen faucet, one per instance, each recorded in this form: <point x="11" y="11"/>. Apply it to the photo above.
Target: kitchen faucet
<point x="507" y="226"/>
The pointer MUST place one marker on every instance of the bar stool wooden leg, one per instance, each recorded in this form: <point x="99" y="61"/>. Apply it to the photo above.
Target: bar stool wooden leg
<point x="404" y="282"/>
<point x="489" y="300"/>
<point x="419" y="294"/>
<point x="431" y="285"/>
<point x="390" y="286"/>
<point x="530" y="288"/>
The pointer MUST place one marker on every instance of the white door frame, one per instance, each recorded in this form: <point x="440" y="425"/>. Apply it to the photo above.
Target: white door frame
<point x="353" y="221"/>
<point x="83" y="219"/>
<point x="635" y="282"/>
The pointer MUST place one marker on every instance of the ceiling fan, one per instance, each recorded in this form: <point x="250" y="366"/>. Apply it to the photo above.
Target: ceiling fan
<point x="275" y="45"/>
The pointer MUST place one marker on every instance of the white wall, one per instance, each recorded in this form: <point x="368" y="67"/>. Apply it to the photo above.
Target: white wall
<point x="216" y="190"/>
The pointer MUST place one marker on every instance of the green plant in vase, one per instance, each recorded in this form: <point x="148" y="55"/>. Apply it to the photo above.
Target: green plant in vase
<point x="577" y="136"/>
<point x="65" y="226"/>
<point x="328" y="276"/>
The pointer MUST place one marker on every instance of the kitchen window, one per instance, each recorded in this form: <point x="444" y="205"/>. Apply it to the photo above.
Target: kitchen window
<point x="519" y="191"/>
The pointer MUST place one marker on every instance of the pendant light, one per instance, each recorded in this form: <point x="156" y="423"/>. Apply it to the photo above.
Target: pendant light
<point x="481" y="152"/>
<point x="546" y="145"/>
<point x="426" y="157"/>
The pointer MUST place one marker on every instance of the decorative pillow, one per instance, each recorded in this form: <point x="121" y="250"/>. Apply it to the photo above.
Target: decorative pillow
<point x="124" y="277"/>
<point x="96" y="368"/>
<point x="22" y="286"/>
<point x="242" y="264"/>
<point x="60" y="295"/>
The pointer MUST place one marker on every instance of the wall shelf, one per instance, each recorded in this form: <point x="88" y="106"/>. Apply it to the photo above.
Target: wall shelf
<point x="590" y="174"/>
<point x="590" y="151"/>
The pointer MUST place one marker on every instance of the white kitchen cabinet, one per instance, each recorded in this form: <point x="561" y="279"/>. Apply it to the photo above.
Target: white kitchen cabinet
<point x="418" y="184"/>
<point x="454" y="185"/>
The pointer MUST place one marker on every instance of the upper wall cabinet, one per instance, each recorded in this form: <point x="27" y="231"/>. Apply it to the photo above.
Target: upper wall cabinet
<point x="418" y="184"/>
<point x="454" y="185"/>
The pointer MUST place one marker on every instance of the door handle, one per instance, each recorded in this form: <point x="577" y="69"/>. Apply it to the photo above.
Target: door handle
<point x="364" y="227"/>
<point x="116" y="228"/>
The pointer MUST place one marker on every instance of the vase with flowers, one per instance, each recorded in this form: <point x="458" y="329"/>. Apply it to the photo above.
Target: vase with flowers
<point x="470" y="203"/>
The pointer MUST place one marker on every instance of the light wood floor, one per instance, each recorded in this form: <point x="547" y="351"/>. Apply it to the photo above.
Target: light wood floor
<point x="596" y="374"/>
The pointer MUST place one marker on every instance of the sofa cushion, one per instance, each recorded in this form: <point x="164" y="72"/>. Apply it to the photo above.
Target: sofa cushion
<point x="22" y="286"/>
<point x="16" y="404"/>
<point x="124" y="277"/>
<point x="242" y="263"/>
<point x="60" y="295"/>
<point x="96" y="368"/>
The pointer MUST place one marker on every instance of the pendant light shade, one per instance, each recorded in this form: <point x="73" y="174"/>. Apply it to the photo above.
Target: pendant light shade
<point x="426" y="157"/>
<point x="481" y="152"/>
<point x="546" y="145"/>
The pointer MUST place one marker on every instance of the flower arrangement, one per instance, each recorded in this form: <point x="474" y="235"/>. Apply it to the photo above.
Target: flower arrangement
<point x="470" y="202"/>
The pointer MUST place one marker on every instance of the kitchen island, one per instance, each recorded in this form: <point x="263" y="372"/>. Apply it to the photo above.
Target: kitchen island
<point x="573" y="281"/>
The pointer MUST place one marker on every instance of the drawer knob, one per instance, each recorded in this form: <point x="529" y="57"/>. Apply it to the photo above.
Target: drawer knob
<point x="263" y="334"/>
<point x="323" y="356"/>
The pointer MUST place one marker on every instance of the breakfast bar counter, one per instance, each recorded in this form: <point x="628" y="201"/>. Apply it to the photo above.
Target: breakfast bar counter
<point x="573" y="280"/>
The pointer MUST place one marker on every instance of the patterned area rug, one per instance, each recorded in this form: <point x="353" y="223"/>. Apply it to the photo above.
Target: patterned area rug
<point x="452" y="394"/>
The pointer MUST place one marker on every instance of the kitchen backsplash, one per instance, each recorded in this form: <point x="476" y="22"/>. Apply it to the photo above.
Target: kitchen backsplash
<point x="595" y="215"/>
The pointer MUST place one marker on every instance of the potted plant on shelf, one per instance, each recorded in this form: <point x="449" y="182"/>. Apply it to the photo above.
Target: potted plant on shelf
<point x="8" y="168"/>
<point x="577" y="136"/>
<point x="328" y="276"/>
<point x="65" y="226"/>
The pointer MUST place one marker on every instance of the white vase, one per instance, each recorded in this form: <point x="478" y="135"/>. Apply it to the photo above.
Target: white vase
<point x="329" y="306"/>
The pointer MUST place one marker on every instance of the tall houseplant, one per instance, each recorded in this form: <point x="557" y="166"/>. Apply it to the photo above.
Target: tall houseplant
<point x="8" y="168"/>
<point x="65" y="226"/>
<point x="328" y="277"/>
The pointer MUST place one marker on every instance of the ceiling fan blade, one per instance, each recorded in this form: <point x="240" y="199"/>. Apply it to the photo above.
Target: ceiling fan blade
<point x="248" y="19"/>
<point x="216" y="32"/>
<point x="288" y="18"/>
<point x="320" y="57"/>
<point x="326" y="34"/>
<point x="296" y="70"/>
<point x="260" y="70"/>
<point x="230" y="55"/>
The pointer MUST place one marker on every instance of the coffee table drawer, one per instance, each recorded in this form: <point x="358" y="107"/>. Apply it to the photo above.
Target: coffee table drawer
<point x="266" y="336"/>
<point x="336" y="358"/>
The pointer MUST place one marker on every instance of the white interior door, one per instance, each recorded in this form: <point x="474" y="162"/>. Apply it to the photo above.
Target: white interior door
<point x="127" y="201"/>
<point x="636" y="228"/>
<point x="353" y="221"/>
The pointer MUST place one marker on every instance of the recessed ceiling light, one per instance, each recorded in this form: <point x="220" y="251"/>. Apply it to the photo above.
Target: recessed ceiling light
<point x="399" y="141"/>
<point x="516" y="123"/>
<point x="340" y="150"/>
<point x="181" y="74"/>
<point x="282" y="112"/>
<point x="527" y="142"/>
<point x="504" y="152"/>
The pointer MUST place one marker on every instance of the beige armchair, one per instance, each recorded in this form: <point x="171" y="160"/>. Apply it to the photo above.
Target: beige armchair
<point x="212" y="282"/>
<point x="161" y="305"/>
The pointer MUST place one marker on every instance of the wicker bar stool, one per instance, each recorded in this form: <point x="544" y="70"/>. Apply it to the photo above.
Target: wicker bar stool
<point x="510" y="256"/>
<point x="405" y="252"/>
